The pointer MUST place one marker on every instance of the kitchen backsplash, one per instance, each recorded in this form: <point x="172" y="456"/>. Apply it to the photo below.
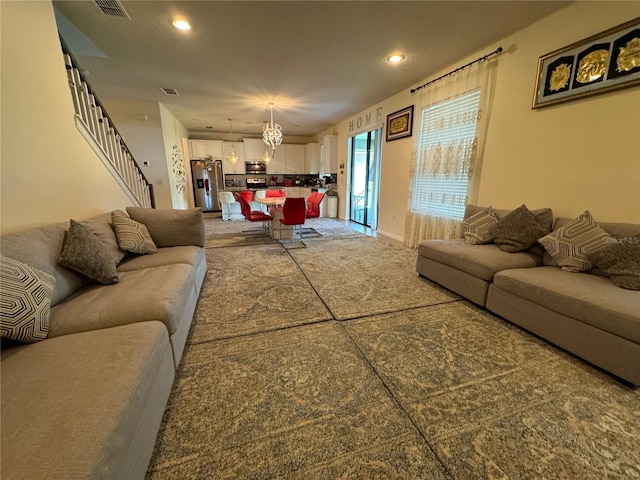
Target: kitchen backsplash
<point x="236" y="180"/>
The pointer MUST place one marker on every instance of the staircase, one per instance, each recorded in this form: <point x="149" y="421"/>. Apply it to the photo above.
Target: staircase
<point x="94" y="124"/>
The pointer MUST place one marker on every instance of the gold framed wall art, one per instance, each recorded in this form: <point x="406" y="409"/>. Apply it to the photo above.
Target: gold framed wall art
<point x="604" y="62"/>
<point x="400" y="124"/>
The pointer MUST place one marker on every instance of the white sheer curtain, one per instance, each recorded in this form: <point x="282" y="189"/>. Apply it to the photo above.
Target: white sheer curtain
<point x="447" y="154"/>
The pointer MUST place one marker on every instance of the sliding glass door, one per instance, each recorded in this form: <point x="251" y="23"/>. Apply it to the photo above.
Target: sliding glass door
<point x="364" y="150"/>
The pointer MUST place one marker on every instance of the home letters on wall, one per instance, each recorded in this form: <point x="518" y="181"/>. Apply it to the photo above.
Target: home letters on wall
<point x="601" y="63"/>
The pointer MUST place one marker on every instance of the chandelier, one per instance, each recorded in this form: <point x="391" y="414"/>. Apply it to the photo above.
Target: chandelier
<point x="266" y="156"/>
<point x="232" y="157"/>
<point x="272" y="133"/>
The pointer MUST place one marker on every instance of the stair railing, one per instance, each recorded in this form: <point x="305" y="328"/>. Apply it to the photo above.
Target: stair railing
<point x="104" y="136"/>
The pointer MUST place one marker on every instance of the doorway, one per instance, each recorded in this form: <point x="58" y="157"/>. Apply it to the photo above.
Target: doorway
<point x="364" y="151"/>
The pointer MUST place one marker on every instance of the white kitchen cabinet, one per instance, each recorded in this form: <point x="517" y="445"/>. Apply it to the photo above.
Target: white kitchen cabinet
<point x="239" y="166"/>
<point x="294" y="157"/>
<point x="329" y="154"/>
<point x="253" y="149"/>
<point x="277" y="163"/>
<point x="205" y="148"/>
<point x="312" y="158"/>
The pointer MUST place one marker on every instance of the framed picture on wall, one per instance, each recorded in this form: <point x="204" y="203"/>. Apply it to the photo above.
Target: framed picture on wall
<point x="400" y="124"/>
<point x="604" y="62"/>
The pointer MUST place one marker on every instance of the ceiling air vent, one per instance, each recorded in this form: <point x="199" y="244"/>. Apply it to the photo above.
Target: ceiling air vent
<point x="169" y="91"/>
<point x="111" y="8"/>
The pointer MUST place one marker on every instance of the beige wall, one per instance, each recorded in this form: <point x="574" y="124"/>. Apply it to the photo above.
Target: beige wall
<point x="174" y="133"/>
<point x="49" y="172"/>
<point x="144" y="139"/>
<point x="582" y="154"/>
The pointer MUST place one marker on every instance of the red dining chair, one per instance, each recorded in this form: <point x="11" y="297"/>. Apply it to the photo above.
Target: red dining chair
<point x="276" y="193"/>
<point x="293" y="212"/>
<point x="313" y="208"/>
<point x="252" y="215"/>
<point x="311" y="197"/>
<point x="247" y="195"/>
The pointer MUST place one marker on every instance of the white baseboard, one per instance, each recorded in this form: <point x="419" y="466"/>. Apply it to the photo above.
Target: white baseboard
<point x="390" y="235"/>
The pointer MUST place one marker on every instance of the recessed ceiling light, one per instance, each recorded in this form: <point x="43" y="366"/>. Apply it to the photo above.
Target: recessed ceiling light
<point x="181" y="25"/>
<point x="395" y="58"/>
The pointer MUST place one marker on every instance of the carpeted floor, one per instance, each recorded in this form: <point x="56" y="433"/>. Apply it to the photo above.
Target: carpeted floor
<point x="335" y="360"/>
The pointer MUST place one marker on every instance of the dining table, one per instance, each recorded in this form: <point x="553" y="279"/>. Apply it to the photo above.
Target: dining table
<point x="277" y="229"/>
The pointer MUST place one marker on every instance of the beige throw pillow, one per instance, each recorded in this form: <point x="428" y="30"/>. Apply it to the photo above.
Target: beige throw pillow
<point x="570" y="244"/>
<point x="477" y="228"/>
<point x="132" y="236"/>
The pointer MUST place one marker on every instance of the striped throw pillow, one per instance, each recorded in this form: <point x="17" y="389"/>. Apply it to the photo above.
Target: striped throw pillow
<point x="132" y="236"/>
<point x="570" y="244"/>
<point x="25" y="302"/>
<point x="477" y="228"/>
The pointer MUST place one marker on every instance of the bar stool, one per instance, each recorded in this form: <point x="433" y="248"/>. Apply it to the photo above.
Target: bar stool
<point x="226" y="198"/>
<point x="257" y="195"/>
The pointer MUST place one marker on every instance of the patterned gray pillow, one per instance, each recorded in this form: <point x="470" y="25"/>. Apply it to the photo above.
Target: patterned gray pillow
<point x="517" y="231"/>
<point x="85" y="253"/>
<point x="569" y="244"/>
<point x="132" y="236"/>
<point x="620" y="260"/>
<point x="477" y="228"/>
<point x="25" y="302"/>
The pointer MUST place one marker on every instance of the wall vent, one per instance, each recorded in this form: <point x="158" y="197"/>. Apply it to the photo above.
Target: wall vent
<point x="169" y="91"/>
<point x="112" y="8"/>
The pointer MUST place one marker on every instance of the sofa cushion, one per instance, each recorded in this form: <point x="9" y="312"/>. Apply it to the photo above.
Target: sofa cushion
<point x="132" y="236"/>
<point x="171" y="228"/>
<point x="102" y="227"/>
<point x="569" y="244"/>
<point x="482" y="261"/>
<point x="40" y="247"/>
<point x="86" y="405"/>
<point x="85" y="253"/>
<point x="477" y="228"/>
<point x="165" y="256"/>
<point x="620" y="260"/>
<point x="517" y="231"/>
<point x="587" y="298"/>
<point x="26" y="301"/>
<point x="153" y="294"/>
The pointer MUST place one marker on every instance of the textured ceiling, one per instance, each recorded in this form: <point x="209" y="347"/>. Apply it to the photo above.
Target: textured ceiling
<point x="320" y="62"/>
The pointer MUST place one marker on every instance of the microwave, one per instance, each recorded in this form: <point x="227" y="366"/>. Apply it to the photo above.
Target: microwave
<point x="252" y="168"/>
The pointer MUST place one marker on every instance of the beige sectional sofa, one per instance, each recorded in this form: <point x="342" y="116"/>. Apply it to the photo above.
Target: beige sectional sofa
<point x="583" y="313"/>
<point x="87" y="401"/>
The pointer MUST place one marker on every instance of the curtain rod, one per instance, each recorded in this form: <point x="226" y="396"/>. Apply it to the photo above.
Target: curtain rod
<point x="480" y="59"/>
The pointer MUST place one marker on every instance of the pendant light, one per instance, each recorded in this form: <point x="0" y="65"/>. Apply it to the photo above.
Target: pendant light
<point x="272" y="133"/>
<point x="232" y="157"/>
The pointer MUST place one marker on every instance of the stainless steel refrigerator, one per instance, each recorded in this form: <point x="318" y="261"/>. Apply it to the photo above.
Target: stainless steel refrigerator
<point x="208" y="181"/>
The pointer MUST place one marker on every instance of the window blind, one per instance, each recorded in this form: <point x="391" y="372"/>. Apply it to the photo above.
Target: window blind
<point x="445" y="145"/>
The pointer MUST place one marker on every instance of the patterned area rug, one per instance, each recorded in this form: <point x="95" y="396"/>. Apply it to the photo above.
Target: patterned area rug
<point x="337" y="361"/>
<point x="229" y="234"/>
